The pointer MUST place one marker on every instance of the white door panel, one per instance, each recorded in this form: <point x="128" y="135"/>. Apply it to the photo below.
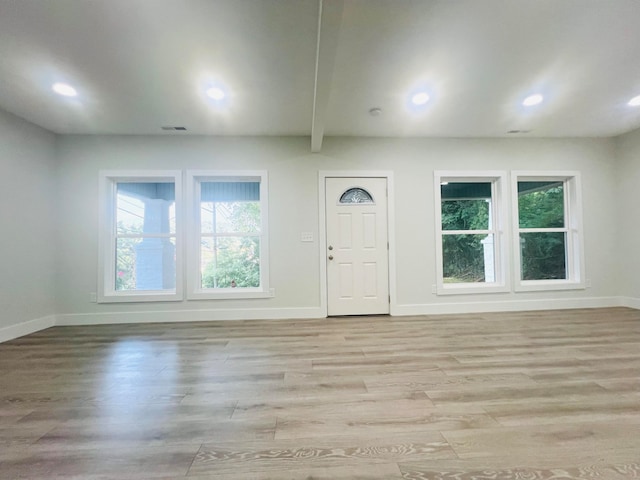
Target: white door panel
<point x="357" y="248"/>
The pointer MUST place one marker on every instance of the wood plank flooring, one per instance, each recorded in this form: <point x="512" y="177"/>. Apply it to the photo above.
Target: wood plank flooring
<point x="528" y="395"/>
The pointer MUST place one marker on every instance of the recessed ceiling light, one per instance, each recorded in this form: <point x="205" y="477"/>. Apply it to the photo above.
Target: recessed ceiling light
<point x="216" y="93"/>
<point x="532" y="100"/>
<point x="635" y="101"/>
<point x="375" y="111"/>
<point x="64" y="89"/>
<point x="420" y="98"/>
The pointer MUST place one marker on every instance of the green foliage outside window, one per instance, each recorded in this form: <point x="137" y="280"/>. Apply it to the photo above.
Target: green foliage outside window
<point x="543" y="253"/>
<point x="234" y="261"/>
<point x="463" y="258"/>
<point x="463" y="254"/>
<point x="465" y="215"/>
<point x="543" y="256"/>
<point x="126" y="258"/>
<point x="543" y="208"/>
<point x="237" y="264"/>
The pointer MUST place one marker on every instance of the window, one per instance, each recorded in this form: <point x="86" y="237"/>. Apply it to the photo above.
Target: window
<point x="470" y="248"/>
<point x="547" y="215"/>
<point x="139" y="240"/>
<point x="356" y="195"/>
<point x="228" y="245"/>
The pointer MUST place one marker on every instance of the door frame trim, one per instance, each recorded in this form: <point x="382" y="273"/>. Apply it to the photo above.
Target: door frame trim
<point x="322" y="229"/>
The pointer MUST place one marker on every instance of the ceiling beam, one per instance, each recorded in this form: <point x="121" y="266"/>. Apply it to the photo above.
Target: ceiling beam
<point x="329" y="22"/>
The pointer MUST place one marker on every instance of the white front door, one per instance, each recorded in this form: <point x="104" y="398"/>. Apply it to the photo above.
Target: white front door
<point x="357" y="246"/>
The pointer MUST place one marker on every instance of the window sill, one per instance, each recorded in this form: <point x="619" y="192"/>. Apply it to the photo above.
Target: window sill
<point x="132" y="297"/>
<point x="231" y="294"/>
<point x="548" y="285"/>
<point x="470" y="289"/>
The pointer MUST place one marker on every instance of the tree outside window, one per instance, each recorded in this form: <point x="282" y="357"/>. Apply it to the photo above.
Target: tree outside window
<point x="228" y="245"/>
<point x="542" y="230"/>
<point x="548" y="243"/>
<point x="470" y="249"/>
<point x="230" y="252"/>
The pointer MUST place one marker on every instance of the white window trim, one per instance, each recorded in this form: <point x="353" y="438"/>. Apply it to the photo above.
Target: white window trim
<point x="106" y="243"/>
<point x="498" y="181"/>
<point x="194" y="288"/>
<point x="573" y="226"/>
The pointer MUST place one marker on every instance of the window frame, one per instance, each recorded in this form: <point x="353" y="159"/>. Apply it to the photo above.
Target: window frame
<point x="573" y="228"/>
<point x="499" y="214"/>
<point x="108" y="180"/>
<point x="194" y="289"/>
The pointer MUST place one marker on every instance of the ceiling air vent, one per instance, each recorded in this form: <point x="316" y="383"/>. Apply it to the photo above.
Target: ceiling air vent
<point x="174" y="129"/>
<point x="518" y="131"/>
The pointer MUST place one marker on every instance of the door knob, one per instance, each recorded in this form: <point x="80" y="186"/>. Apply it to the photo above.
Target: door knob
<point x="330" y="257"/>
<point x="330" y="247"/>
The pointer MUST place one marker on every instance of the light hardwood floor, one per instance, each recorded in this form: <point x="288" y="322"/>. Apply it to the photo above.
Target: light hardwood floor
<point x="529" y="395"/>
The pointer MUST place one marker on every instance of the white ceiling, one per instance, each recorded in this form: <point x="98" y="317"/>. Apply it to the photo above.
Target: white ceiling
<point x="316" y="67"/>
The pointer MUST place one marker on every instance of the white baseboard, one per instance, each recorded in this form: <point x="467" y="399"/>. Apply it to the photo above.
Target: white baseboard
<point x="105" y="318"/>
<point x="25" y="328"/>
<point x="630" y="302"/>
<point x="505" y="306"/>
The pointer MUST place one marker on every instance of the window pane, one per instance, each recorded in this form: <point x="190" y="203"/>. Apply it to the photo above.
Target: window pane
<point x="465" y="190"/>
<point x="543" y="256"/>
<point x="465" y="215"/>
<point x="356" y="195"/>
<point x="230" y="217"/>
<point x="468" y="258"/>
<point x="230" y="262"/>
<point x="145" y="208"/>
<point x="145" y="264"/>
<point x="541" y="204"/>
<point x="230" y="191"/>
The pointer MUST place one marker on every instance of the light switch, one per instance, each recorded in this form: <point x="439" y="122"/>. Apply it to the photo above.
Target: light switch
<point x="306" y="237"/>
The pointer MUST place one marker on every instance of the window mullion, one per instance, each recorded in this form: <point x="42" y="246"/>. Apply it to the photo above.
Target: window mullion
<point x="468" y="232"/>
<point x="543" y="230"/>
<point x="145" y="235"/>
<point x="230" y="234"/>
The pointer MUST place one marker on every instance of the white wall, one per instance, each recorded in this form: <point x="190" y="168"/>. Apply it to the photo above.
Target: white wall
<point x="27" y="248"/>
<point x="628" y="216"/>
<point x="292" y="208"/>
<point x="414" y="161"/>
<point x="293" y="174"/>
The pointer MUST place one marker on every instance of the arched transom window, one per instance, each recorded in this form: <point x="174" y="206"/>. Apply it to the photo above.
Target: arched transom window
<point x="356" y="195"/>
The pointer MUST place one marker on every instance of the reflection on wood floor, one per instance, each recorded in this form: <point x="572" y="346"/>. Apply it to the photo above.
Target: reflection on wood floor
<point x="528" y="395"/>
